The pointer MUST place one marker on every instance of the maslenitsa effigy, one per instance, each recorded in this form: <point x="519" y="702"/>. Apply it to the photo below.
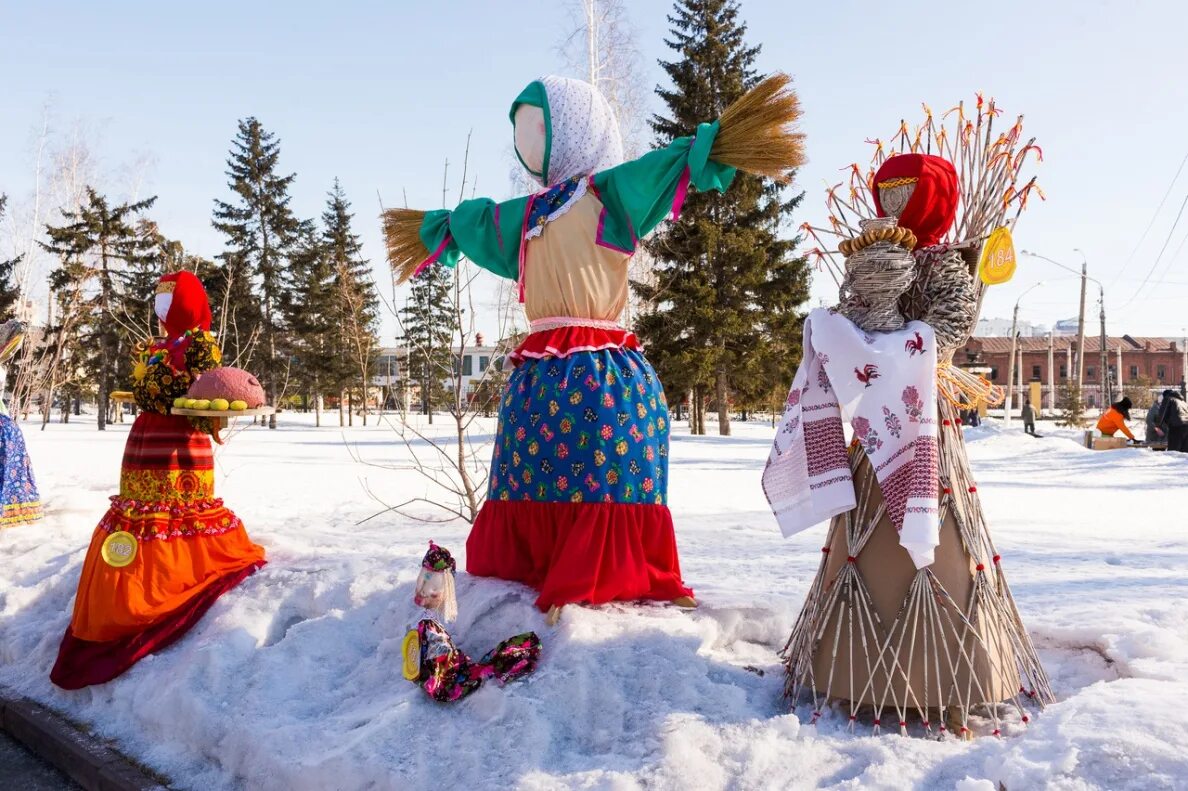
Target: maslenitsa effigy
<point x="909" y="622"/>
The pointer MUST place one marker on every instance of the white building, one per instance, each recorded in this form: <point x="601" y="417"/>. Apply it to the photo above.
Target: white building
<point x="471" y="365"/>
<point x="1001" y="328"/>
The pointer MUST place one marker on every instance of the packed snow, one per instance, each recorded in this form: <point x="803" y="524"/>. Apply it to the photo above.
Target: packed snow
<point x="292" y="681"/>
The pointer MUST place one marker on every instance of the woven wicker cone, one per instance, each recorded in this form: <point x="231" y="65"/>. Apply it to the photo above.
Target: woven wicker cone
<point x="876" y="632"/>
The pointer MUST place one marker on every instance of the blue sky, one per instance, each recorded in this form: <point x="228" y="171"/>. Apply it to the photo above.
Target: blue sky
<point x="379" y="94"/>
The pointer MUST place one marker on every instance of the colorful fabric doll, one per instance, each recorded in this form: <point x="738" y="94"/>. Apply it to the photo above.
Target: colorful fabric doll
<point x="430" y="657"/>
<point x="577" y="498"/>
<point x="167" y="547"/>
<point x="18" y="490"/>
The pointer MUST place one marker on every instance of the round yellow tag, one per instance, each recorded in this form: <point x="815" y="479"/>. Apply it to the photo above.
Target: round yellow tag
<point x="998" y="258"/>
<point x="411" y="649"/>
<point x="119" y="549"/>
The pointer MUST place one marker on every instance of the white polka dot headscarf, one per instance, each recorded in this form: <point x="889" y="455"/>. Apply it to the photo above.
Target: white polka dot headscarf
<point x="581" y="133"/>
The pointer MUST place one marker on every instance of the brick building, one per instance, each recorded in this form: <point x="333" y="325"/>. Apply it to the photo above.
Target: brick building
<point x="1158" y="361"/>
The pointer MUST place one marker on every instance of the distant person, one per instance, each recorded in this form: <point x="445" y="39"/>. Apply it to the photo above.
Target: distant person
<point x="1029" y="416"/>
<point x="1154" y="432"/>
<point x="1114" y="420"/>
<point x="1173" y="419"/>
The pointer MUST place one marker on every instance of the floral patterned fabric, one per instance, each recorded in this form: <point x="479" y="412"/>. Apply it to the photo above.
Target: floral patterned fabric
<point x="590" y="427"/>
<point x="448" y="674"/>
<point x="155" y="383"/>
<point x="18" y="491"/>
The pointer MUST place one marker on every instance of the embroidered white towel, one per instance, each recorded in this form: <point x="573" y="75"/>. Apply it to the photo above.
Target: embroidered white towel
<point x="884" y="385"/>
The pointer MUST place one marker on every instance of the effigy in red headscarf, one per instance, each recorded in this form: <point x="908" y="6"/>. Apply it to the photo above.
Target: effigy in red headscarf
<point x="183" y="307"/>
<point x="921" y="191"/>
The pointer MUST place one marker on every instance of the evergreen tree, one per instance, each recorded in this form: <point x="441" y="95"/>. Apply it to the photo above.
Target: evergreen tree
<point x="722" y="316"/>
<point x="261" y="232"/>
<point x="1070" y="405"/>
<point x="428" y="322"/>
<point x="98" y="245"/>
<point x="9" y="290"/>
<point x="358" y="304"/>
<point x="310" y="313"/>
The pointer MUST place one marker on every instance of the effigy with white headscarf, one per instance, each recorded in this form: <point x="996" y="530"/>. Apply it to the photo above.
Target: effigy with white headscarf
<point x="577" y="493"/>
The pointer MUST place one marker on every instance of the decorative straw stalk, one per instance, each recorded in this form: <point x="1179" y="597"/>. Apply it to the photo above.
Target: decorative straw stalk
<point x="756" y="132"/>
<point x="402" y="237"/>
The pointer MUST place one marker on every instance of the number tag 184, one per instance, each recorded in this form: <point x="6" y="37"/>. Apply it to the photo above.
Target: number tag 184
<point x="998" y="263"/>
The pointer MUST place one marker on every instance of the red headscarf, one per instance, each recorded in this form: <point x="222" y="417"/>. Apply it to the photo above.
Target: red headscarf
<point x="189" y="309"/>
<point x="931" y="209"/>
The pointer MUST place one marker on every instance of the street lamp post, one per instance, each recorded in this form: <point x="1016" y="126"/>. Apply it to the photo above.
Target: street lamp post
<point x="1006" y="414"/>
<point x="1080" y="361"/>
<point x="1106" y="394"/>
<point x="1183" y="360"/>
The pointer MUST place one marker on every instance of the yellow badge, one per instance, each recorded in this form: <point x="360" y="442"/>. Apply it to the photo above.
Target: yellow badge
<point x="998" y="258"/>
<point x="119" y="549"/>
<point x="411" y="649"/>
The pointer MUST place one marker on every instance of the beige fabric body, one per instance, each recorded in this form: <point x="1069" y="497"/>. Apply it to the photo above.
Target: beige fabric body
<point x="569" y="274"/>
<point x="887" y="572"/>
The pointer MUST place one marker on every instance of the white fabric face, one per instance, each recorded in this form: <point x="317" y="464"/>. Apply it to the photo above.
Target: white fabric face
<point x="161" y="306"/>
<point x="583" y="134"/>
<point x="530" y="137"/>
<point x="430" y="592"/>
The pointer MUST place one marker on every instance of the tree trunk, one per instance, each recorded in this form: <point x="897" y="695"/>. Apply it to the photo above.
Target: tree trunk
<point x="341" y="401"/>
<point x="318" y="409"/>
<point x="469" y="493"/>
<point x="350" y="408"/>
<point x="722" y="394"/>
<point x="363" y="390"/>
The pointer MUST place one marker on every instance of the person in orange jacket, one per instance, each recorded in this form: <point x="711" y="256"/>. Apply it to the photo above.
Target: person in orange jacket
<point x="1114" y="420"/>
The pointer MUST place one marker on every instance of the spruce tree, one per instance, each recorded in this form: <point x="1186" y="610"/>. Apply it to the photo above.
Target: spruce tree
<point x="428" y="322"/>
<point x="358" y="303"/>
<point x="722" y="314"/>
<point x="311" y="316"/>
<point x="261" y="231"/>
<point x="97" y="246"/>
<point x="9" y="289"/>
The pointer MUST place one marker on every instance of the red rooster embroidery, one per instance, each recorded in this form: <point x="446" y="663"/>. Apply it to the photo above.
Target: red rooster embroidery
<point x="868" y="374"/>
<point x="915" y="346"/>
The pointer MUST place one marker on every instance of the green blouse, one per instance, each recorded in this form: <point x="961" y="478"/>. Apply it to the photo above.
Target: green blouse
<point x="636" y="196"/>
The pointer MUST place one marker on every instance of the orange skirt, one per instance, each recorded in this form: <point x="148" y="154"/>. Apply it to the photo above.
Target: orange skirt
<point x="161" y="555"/>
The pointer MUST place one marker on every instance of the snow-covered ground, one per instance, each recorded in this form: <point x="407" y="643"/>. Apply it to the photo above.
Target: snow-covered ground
<point x="292" y="681"/>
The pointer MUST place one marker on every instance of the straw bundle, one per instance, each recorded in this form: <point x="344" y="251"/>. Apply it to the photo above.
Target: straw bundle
<point x="402" y="237"/>
<point x="756" y="132"/>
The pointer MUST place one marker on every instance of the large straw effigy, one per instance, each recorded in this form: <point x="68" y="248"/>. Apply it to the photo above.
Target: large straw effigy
<point x="945" y="645"/>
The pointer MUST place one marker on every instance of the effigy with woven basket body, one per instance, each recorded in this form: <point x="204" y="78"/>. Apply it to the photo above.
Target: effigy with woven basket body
<point x="943" y="646"/>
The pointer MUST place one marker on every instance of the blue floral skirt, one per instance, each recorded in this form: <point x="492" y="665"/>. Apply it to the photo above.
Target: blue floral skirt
<point x="19" y="501"/>
<point x="590" y="427"/>
<point x="579" y="481"/>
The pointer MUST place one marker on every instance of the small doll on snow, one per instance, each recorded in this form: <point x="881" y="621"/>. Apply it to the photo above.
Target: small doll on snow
<point x="431" y="659"/>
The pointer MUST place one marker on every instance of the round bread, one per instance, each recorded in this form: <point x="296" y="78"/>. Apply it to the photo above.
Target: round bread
<point x="231" y="384"/>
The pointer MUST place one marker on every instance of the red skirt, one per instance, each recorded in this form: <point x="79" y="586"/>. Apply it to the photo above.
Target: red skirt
<point x="578" y="552"/>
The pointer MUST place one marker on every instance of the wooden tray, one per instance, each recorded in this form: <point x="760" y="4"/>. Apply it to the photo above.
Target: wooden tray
<point x="260" y="410"/>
